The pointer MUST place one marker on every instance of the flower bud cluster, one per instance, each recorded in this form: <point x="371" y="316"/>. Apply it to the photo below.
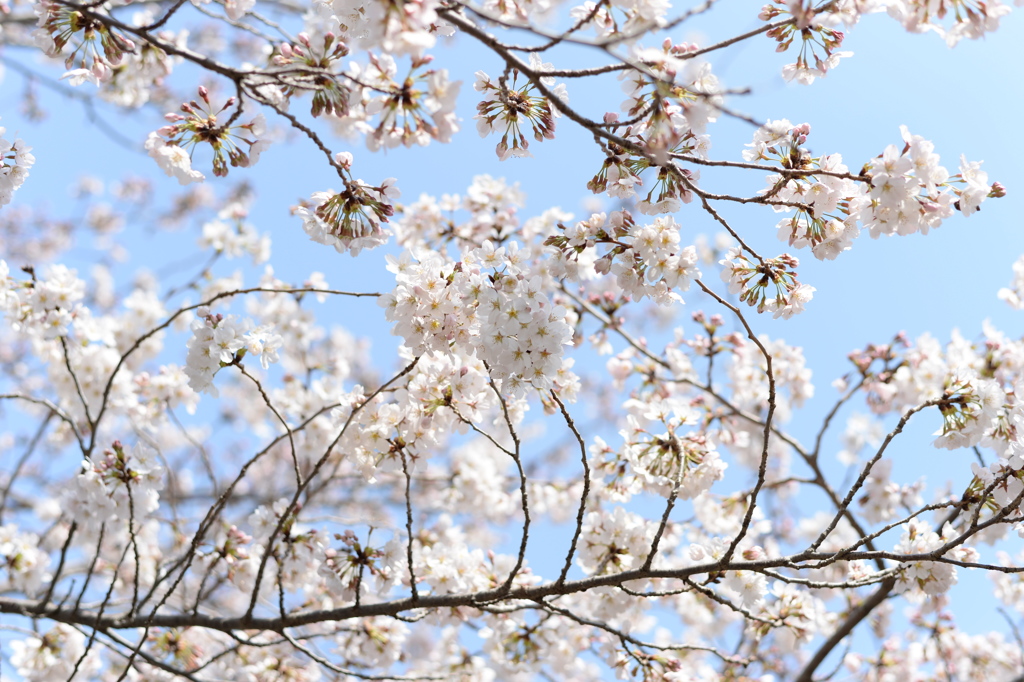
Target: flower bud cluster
<point x="140" y="75"/>
<point x="95" y="47"/>
<point x="330" y="94"/>
<point x="172" y="146"/>
<point x="770" y="286"/>
<point x="350" y="220"/>
<point x="508" y="109"/>
<point x="407" y="115"/>
<point x="813" y="27"/>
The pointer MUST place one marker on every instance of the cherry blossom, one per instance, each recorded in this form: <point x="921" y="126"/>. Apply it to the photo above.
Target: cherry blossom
<point x="579" y="454"/>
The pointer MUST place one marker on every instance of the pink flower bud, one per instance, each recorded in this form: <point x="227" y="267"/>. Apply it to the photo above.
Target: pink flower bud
<point x="754" y="553"/>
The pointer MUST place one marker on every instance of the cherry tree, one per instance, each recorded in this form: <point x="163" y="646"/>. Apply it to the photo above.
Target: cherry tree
<point x="566" y="471"/>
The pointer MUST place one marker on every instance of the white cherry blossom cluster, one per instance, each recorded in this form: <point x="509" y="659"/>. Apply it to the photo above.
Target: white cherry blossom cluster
<point x="517" y="646"/>
<point x="883" y="498"/>
<point x="237" y="237"/>
<point x="388" y="27"/>
<point x="518" y="11"/>
<point x="999" y="487"/>
<point x="625" y="16"/>
<point x="1014" y="294"/>
<point x="799" y="615"/>
<point x="124" y="484"/>
<point x="681" y="461"/>
<point x="825" y="225"/>
<point x="970" y="19"/>
<point x="406" y="115"/>
<point x="490" y="304"/>
<point x="219" y="341"/>
<point x="646" y="260"/>
<point x="814" y="27"/>
<point x="906" y="190"/>
<point x="920" y="579"/>
<point x="989" y="656"/>
<point x="970" y="405"/>
<point x="976" y="406"/>
<point x="656" y="265"/>
<point x="491" y="207"/>
<point x="674" y="100"/>
<point x="449" y="564"/>
<point x="23" y="561"/>
<point x="45" y="307"/>
<point x="614" y="542"/>
<point x="748" y="369"/>
<point x="57" y="654"/>
<point x="15" y="160"/>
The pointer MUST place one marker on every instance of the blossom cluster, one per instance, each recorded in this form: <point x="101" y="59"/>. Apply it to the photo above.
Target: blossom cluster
<point x="350" y="220"/>
<point x="95" y="47"/>
<point x="122" y="485"/>
<point x="814" y="27"/>
<point x="668" y="110"/>
<point x="422" y="519"/>
<point x="970" y="19"/>
<point x="646" y="260"/>
<point x="405" y="114"/>
<point x="488" y="303"/>
<point x="219" y="341"/>
<point x="15" y="160"/>
<point x="770" y="286"/>
<point x="902" y="191"/>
